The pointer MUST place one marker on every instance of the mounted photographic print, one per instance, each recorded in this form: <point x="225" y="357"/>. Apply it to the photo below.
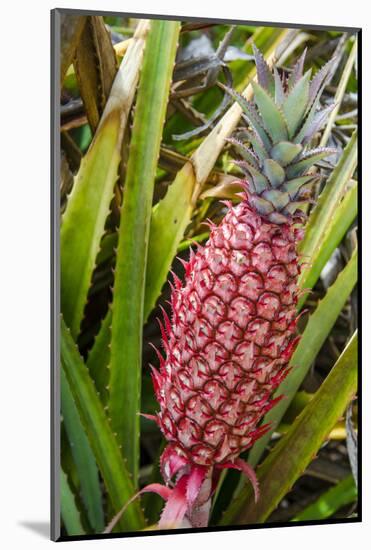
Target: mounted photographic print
<point x="205" y="311"/>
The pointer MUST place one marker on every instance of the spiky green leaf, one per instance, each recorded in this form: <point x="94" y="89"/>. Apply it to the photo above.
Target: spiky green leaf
<point x="293" y="186"/>
<point x="279" y="199"/>
<point x="244" y="152"/>
<point x="307" y="161"/>
<point x="257" y="145"/>
<point x="88" y="205"/>
<point x="279" y="94"/>
<point x="285" y="152"/>
<point x="262" y="206"/>
<point x="274" y="172"/>
<point x="259" y="180"/>
<point x="98" y="358"/>
<point x="251" y="116"/>
<point x="102" y="440"/>
<point x="343" y="493"/>
<point x="265" y="77"/>
<point x="318" y="82"/>
<point x="297" y="71"/>
<point x="272" y="117"/>
<point x="321" y="232"/>
<point x="295" y="103"/>
<point x="83" y="457"/>
<point x="341" y="89"/>
<point x="69" y="511"/>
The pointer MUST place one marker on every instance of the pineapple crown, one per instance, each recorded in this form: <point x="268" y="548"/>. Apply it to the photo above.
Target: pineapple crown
<point x="283" y="117"/>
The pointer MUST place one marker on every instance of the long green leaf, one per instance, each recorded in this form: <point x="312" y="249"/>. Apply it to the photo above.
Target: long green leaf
<point x="320" y="223"/>
<point x="172" y="215"/>
<point x="102" y="440"/>
<point x="129" y="285"/>
<point x="331" y="501"/>
<point x="341" y="88"/>
<point x="98" y="358"/>
<point x="169" y="220"/>
<point x="315" y="334"/>
<point x="88" y="205"/>
<point x="286" y="463"/>
<point x="69" y="512"/>
<point x="83" y="458"/>
<point x="337" y="226"/>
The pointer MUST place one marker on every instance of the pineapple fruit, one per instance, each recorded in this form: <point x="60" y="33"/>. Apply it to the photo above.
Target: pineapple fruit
<point x="232" y="330"/>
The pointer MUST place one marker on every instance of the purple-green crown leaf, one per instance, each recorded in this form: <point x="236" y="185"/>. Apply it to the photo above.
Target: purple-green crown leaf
<point x="285" y="152"/>
<point x="274" y="172"/>
<point x="265" y="77"/>
<point x="293" y="186"/>
<point x="282" y="119"/>
<point x="246" y="153"/>
<point x="319" y="80"/>
<point x="279" y="94"/>
<point x="317" y="123"/>
<point x="307" y="160"/>
<point x="252" y="116"/>
<point x="263" y="206"/>
<point x="296" y="102"/>
<point x="297" y="71"/>
<point x="259" y="180"/>
<point x="273" y="119"/>
<point x="279" y="199"/>
<point x="257" y="145"/>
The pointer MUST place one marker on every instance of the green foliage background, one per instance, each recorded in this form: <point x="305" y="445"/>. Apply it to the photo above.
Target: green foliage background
<point x="134" y="194"/>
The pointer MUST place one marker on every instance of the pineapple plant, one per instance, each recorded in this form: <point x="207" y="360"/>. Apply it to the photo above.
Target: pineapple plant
<point x="232" y="330"/>
<point x="138" y="196"/>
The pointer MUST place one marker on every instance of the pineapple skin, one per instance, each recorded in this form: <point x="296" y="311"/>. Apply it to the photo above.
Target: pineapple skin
<point x="232" y="333"/>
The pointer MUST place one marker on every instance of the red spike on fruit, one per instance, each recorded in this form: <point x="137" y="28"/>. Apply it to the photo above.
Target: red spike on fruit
<point x="166" y="320"/>
<point x="149" y="417"/>
<point x="177" y="281"/>
<point x="210" y="223"/>
<point x="157" y="381"/>
<point x="160" y="357"/>
<point x="164" y="335"/>
<point x="183" y="262"/>
<point x="272" y="403"/>
<point x="289" y="350"/>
